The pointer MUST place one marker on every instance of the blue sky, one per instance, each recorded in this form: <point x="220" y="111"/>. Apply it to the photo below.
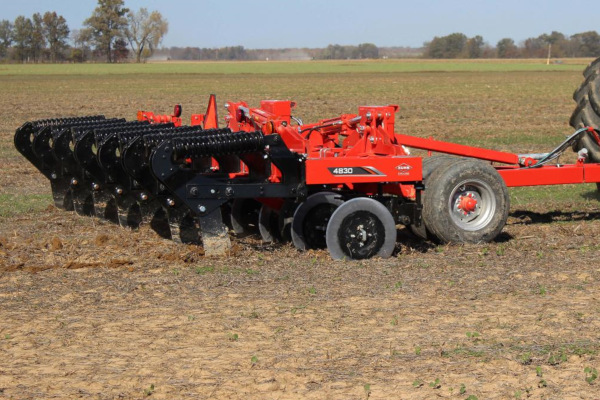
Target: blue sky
<point x="317" y="23"/>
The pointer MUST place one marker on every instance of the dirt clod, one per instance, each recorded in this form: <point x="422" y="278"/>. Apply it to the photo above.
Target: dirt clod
<point x="101" y="240"/>
<point x="55" y="244"/>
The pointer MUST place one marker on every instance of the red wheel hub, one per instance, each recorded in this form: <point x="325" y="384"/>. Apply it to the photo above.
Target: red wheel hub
<point x="467" y="203"/>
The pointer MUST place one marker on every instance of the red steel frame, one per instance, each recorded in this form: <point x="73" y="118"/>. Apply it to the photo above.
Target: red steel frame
<point x="366" y="142"/>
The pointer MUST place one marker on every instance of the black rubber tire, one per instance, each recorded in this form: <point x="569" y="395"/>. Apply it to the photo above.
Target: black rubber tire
<point x="320" y="205"/>
<point x="244" y="216"/>
<point x="583" y="89"/>
<point x="268" y="225"/>
<point x="587" y="112"/>
<point x="346" y="228"/>
<point x="466" y="178"/>
<point x="430" y="164"/>
<point x="593" y="66"/>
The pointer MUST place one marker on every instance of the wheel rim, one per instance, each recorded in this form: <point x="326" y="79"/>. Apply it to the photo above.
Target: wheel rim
<point x="361" y="234"/>
<point x="472" y="205"/>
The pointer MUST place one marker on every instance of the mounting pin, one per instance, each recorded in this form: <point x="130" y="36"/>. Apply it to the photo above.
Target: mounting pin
<point x="202" y="209"/>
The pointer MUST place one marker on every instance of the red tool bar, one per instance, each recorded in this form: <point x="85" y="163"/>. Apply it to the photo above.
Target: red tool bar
<point x="457" y="149"/>
<point x="550" y="175"/>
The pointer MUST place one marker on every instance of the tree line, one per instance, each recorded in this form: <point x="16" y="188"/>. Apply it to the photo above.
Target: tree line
<point x="455" y="45"/>
<point x="331" y="52"/>
<point x="112" y="33"/>
<point x="555" y="44"/>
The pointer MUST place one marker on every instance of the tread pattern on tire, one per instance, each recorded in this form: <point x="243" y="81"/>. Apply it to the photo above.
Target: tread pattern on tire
<point x="593" y="66"/>
<point x="587" y="111"/>
<point x="431" y="164"/>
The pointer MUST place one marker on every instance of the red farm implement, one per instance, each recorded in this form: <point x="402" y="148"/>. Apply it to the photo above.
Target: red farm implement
<point x="342" y="183"/>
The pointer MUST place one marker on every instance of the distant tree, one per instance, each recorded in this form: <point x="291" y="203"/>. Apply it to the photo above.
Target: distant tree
<point x="506" y="48"/>
<point x="81" y="39"/>
<point x="107" y="24"/>
<point x="145" y="32"/>
<point x="38" y="40"/>
<point x="587" y="44"/>
<point x="553" y="41"/>
<point x="22" y="37"/>
<point x="339" y="52"/>
<point x="534" y="48"/>
<point x="232" y="53"/>
<point x="6" y="36"/>
<point x="120" y="50"/>
<point x="450" y="46"/>
<point x="474" y="47"/>
<point x="368" y="50"/>
<point x="333" y="52"/>
<point x="56" y="32"/>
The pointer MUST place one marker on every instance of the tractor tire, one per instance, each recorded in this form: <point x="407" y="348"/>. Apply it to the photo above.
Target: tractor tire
<point x="430" y="164"/>
<point x="593" y="66"/>
<point x="465" y="202"/>
<point x="587" y="112"/>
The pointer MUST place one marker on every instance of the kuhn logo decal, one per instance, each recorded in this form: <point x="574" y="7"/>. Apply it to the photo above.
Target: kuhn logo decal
<point x="404" y="169"/>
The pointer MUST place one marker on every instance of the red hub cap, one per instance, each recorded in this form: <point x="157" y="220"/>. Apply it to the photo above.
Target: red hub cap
<point x="467" y="203"/>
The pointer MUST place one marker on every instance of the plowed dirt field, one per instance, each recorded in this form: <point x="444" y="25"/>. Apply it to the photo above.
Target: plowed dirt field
<point x="91" y="310"/>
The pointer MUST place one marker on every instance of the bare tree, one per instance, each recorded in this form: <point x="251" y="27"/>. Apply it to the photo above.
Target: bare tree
<point x="81" y="49"/>
<point x="145" y="32"/>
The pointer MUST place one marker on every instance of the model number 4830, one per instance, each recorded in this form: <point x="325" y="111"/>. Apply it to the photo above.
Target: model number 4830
<point x="343" y="171"/>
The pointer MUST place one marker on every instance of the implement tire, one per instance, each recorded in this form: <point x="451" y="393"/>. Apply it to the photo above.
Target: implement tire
<point x="466" y="202"/>
<point x="430" y="164"/>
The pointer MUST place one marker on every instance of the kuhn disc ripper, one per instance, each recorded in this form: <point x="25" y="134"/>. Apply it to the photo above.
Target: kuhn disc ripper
<point x="342" y="183"/>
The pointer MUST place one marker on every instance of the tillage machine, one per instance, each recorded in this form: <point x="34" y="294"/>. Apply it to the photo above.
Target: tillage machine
<point x="343" y="183"/>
